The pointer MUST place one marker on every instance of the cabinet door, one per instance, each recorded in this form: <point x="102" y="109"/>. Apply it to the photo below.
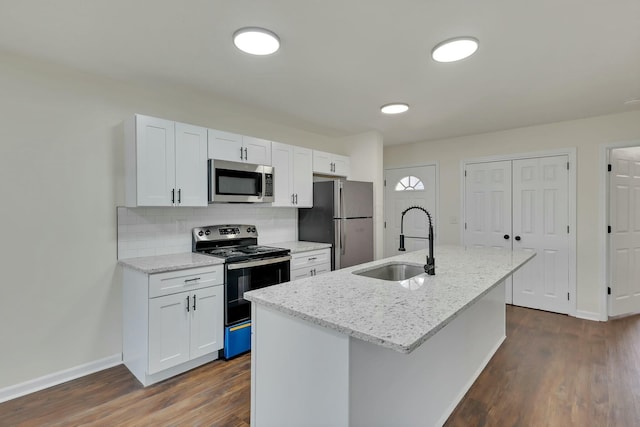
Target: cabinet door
<point x="282" y="161"/>
<point x="256" y="150"/>
<point x="225" y="146"/>
<point x="207" y="317"/>
<point x="322" y="268"/>
<point x="303" y="177"/>
<point x="155" y="161"/>
<point x="300" y="273"/>
<point x="322" y="162"/>
<point x="191" y="165"/>
<point x="168" y="331"/>
<point x="341" y="165"/>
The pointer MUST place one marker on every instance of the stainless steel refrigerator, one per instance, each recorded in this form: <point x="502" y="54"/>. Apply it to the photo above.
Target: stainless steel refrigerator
<point x="342" y="214"/>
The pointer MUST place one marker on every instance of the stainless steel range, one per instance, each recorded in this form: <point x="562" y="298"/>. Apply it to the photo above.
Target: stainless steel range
<point x="247" y="266"/>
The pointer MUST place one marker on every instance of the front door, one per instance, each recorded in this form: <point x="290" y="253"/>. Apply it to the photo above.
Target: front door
<point x="405" y="187"/>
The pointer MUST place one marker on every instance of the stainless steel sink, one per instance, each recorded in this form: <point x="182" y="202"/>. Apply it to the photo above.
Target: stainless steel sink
<point x="394" y="272"/>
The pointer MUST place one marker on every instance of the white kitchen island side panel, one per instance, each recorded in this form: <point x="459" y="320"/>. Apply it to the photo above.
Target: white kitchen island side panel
<point x="423" y="387"/>
<point x="313" y="376"/>
<point x="299" y="370"/>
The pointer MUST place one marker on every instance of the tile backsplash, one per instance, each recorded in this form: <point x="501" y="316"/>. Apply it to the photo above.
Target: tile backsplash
<point x="160" y="231"/>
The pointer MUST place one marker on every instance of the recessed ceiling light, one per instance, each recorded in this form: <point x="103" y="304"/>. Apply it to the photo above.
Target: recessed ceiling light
<point x="395" y="108"/>
<point x="454" y="49"/>
<point x="632" y="101"/>
<point x="256" y="41"/>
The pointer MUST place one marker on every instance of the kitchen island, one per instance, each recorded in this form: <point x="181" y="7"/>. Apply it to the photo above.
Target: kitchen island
<point x="343" y="349"/>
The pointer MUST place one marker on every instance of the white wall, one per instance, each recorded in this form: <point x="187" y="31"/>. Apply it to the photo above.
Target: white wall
<point x="62" y="176"/>
<point x="366" y="154"/>
<point x="586" y="135"/>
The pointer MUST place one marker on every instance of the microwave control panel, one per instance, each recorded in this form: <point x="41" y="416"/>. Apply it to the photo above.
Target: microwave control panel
<point x="268" y="184"/>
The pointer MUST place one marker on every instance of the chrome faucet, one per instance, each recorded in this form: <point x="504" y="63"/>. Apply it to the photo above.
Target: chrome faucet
<point x="430" y="266"/>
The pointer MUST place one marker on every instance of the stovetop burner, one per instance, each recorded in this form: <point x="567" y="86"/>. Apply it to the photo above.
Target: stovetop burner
<point x="232" y="242"/>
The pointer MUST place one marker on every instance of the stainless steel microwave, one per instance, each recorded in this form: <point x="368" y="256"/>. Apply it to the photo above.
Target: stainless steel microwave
<point x="240" y="182"/>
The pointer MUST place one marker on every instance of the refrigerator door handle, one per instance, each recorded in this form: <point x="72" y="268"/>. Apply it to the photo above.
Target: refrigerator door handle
<point x="343" y="239"/>
<point x="337" y="250"/>
<point x="342" y="210"/>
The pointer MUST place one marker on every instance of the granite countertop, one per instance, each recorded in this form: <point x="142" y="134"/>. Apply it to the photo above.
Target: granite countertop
<point x="399" y="316"/>
<point x="300" y="246"/>
<point x="172" y="262"/>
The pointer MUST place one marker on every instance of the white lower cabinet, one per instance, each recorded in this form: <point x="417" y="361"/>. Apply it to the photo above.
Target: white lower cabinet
<point x="172" y="321"/>
<point x="310" y="263"/>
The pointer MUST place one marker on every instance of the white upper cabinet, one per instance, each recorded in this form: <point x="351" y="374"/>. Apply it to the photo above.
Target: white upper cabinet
<point x="330" y="164"/>
<point x="238" y="148"/>
<point x="191" y="165"/>
<point x="165" y="163"/>
<point x="256" y="150"/>
<point x="293" y="178"/>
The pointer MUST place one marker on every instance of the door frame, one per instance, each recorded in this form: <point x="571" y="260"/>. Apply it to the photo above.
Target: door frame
<point x="603" y="202"/>
<point x="437" y="195"/>
<point x="571" y="191"/>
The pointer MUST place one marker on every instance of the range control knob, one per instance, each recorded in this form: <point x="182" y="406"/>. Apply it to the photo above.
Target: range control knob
<point x="207" y="232"/>
<point x="253" y="229"/>
<point x="248" y="229"/>
<point x="200" y="233"/>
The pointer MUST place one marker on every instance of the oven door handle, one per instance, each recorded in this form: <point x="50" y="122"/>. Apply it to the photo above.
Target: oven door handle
<point x="257" y="263"/>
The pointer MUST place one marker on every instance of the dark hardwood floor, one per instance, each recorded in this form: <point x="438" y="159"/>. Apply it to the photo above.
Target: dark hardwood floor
<point x="552" y="370"/>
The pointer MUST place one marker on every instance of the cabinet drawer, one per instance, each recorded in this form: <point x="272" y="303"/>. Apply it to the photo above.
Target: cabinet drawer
<point x="300" y="273"/>
<point x="308" y="259"/>
<point x="184" y="280"/>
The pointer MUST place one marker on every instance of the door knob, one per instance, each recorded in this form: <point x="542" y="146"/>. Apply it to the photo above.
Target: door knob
<point x="506" y="237"/>
<point x="517" y="238"/>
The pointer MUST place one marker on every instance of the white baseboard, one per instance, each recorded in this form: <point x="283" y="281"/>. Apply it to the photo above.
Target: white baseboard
<point x="588" y="315"/>
<point x="60" y="377"/>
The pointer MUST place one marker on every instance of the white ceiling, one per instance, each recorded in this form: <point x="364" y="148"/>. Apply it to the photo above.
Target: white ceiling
<point x="539" y="61"/>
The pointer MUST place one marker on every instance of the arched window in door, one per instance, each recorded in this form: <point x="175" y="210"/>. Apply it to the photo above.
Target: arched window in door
<point x="409" y="183"/>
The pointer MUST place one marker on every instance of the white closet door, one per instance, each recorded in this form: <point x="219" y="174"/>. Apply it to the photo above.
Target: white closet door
<point x="488" y="208"/>
<point x="540" y="221"/>
<point x="405" y="187"/>
<point x="624" y="213"/>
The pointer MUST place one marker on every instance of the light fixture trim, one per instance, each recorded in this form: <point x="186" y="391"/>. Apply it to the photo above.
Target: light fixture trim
<point x="395" y="108"/>
<point x="455" y="49"/>
<point x="256" y="41"/>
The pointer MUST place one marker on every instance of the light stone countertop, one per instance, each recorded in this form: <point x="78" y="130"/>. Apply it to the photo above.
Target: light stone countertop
<point x="300" y="246"/>
<point x="172" y="262"/>
<point x="387" y="313"/>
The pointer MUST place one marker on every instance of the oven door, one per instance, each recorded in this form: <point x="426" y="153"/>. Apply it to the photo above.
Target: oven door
<point x="245" y="276"/>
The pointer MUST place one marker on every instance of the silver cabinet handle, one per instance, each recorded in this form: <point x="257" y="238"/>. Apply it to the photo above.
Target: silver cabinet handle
<point x="191" y="280"/>
<point x="179" y="195"/>
<point x="246" y="155"/>
<point x="292" y="200"/>
<point x="173" y="196"/>
<point x="241" y="158"/>
<point x="296" y="198"/>
<point x="312" y="258"/>
<point x="194" y="303"/>
<point x="187" y="303"/>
